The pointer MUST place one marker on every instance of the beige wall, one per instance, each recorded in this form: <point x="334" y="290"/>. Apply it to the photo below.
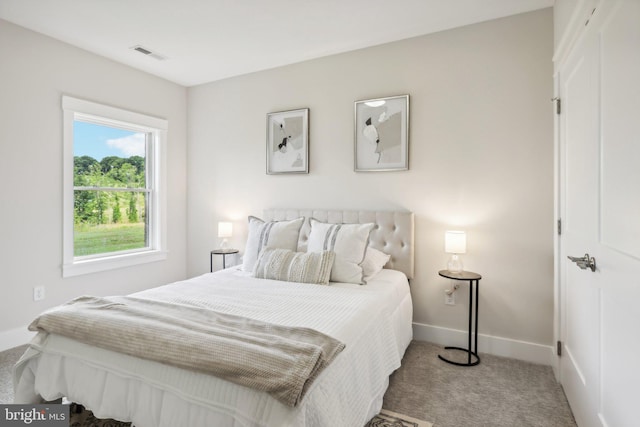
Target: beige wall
<point x="35" y="71"/>
<point x="481" y="159"/>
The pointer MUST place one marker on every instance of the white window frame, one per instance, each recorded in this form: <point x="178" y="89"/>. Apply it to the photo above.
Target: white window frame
<point x="78" y="109"/>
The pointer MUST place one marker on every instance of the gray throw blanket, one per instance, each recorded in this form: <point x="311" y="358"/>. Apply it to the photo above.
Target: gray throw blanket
<point x="282" y="361"/>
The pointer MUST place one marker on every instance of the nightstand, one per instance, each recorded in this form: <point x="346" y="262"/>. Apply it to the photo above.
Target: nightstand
<point x="472" y="278"/>
<point x="224" y="253"/>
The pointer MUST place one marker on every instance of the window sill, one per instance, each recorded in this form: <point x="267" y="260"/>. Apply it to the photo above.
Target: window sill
<point x="89" y="266"/>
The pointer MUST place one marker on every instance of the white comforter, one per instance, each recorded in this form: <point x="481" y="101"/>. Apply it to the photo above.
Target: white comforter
<point x="374" y="321"/>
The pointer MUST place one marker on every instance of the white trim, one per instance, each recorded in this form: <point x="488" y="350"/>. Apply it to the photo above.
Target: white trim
<point x="125" y="117"/>
<point x="156" y="181"/>
<point x="497" y="346"/>
<point x="557" y="216"/>
<point x="15" y="338"/>
<point x="576" y="25"/>
<point x="95" y="265"/>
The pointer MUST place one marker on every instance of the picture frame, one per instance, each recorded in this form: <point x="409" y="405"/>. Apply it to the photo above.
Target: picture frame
<point x="288" y="142"/>
<point x="381" y="139"/>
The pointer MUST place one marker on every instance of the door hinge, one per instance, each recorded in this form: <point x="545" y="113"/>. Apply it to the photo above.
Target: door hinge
<point x="558" y="104"/>
<point x="559" y="348"/>
<point x="559" y="227"/>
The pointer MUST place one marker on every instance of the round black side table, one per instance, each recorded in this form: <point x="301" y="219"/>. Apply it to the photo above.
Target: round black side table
<point x="224" y="253"/>
<point x="473" y="278"/>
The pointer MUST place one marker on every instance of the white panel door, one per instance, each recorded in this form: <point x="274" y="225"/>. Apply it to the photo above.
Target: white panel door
<point x="619" y="44"/>
<point x="600" y="207"/>
<point x="581" y="293"/>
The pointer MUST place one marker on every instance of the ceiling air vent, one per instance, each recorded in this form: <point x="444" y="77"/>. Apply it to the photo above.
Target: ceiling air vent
<point x="149" y="52"/>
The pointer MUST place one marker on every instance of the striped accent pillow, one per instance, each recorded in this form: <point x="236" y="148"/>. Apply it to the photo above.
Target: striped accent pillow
<point x="289" y="266"/>
<point x="348" y="241"/>
<point x="272" y="234"/>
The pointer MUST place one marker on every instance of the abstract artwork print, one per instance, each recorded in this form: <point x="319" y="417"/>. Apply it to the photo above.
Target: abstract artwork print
<point x="381" y="134"/>
<point x="288" y="142"/>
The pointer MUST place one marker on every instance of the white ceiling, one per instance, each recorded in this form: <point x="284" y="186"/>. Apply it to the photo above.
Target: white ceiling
<point x="207" y="40"/>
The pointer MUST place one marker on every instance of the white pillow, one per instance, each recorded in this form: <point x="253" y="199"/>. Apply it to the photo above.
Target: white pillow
<point x="272" y="234"/>
<point x="374" y="262"/>
<point x="348" y="241"/>
<point x="289" y="266"/>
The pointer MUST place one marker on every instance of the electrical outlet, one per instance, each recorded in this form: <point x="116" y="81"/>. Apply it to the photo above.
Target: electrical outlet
<point x="38" y="293"/>
<point x="450" y="299"/>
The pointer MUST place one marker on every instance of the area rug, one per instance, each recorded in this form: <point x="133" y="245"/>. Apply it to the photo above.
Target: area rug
<point x="81" y="417"/>
<point x="391" y="419"/>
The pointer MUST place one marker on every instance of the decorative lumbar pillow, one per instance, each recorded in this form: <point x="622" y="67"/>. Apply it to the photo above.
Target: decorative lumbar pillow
<point x="374" y="262"/>
<point x="302" y="267"/>
<point x="348" y="241"/>
<point x="272" y="234"/>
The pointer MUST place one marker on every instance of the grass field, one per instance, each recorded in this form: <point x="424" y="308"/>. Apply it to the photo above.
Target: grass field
<point x="106" y="238"/>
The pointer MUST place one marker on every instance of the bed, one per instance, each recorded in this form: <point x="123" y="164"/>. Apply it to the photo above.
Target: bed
<point x="373" y="321"/>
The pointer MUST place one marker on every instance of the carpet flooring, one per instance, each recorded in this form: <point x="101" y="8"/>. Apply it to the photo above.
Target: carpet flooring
<point x="7" y="360"/>
<point x="81" y="417"/>
<point x="499" y="392"/>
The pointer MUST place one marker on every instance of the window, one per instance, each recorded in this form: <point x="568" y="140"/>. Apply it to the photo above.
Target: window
<point x="114" y="206"/>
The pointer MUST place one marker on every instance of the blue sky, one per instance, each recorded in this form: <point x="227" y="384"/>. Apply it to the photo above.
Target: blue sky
<point x="99" y="141"/>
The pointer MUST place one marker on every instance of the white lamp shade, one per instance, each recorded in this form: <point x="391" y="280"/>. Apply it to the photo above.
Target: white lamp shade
<point x="225" y="229"/>
<point x="455" y="242"/>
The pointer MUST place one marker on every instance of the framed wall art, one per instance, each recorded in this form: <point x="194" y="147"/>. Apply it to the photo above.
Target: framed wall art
<point x="288" y="142"/>
<point x="381" y="138"/>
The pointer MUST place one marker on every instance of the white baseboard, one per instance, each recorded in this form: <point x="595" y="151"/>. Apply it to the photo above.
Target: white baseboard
<point x="15" y="337"/>
<point x="505" y="347"/>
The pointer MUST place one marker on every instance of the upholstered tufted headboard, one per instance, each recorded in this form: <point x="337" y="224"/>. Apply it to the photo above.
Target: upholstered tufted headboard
<point x="393" y="233"/>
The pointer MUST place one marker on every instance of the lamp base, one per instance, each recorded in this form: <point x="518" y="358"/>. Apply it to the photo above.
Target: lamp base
<point x="224" y="244"/>
<point x="455" y="264"/>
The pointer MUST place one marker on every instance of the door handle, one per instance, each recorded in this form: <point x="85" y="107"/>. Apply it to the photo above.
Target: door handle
<point x="584" y="262"/>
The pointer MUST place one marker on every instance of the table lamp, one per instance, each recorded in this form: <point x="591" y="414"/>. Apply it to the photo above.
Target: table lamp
<point x="225" y="230"/>
<point x="455" y="243"/>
